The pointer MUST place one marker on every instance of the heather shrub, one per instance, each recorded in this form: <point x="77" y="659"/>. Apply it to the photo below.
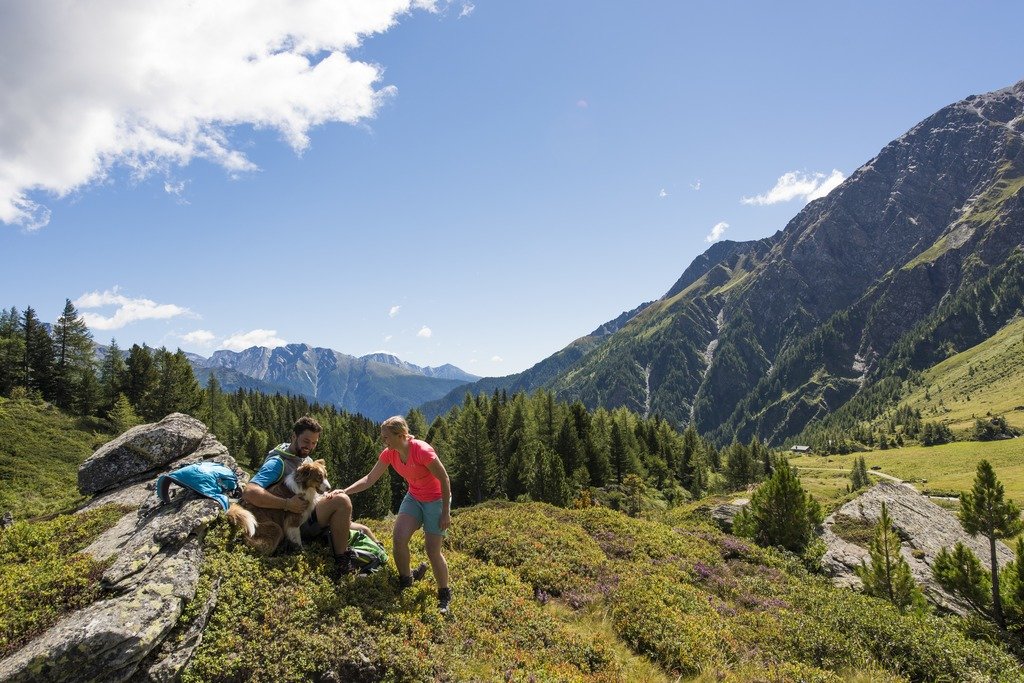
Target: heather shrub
<point x="552" y="555"/>
<point x="43" y="575"/>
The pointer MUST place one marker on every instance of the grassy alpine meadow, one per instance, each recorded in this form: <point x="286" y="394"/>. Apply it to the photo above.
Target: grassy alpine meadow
<point x="947" y="469"/>
<point x="40" y="451"/>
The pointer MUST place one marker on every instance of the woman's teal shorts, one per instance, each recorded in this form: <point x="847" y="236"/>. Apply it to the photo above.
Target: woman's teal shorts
<point x="427" y="514"/>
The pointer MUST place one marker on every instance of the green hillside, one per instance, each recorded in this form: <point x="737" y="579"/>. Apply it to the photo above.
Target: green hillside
<point x="982" y="381"/>
<point x="543" y="593"/>
<point x="40" y="450"/>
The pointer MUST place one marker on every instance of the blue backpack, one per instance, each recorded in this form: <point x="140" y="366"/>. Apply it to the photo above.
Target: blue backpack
<point x="210" y="479"/>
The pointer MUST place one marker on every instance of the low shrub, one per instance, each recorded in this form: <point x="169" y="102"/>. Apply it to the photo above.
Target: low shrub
<point x="42" y="574"/>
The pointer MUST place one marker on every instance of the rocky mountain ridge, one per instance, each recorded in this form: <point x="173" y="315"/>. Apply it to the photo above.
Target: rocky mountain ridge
<point x="377" y="385"/>
<point x="764" y="337"/>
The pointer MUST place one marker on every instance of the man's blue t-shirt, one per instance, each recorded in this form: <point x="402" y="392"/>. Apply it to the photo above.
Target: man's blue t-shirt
<point x="272" y="470"/>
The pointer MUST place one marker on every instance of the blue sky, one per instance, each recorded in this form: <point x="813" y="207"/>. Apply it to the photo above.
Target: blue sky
<point x="517" y="174"/>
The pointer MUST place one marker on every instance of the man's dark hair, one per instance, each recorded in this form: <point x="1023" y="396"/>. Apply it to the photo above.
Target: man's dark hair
<point x="306" y="424"/>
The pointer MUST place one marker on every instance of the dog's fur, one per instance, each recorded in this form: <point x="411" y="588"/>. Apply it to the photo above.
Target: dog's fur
<point x="265" y="528"/>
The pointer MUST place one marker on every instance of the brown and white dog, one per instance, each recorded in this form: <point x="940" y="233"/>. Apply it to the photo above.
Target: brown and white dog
<point x="265" y="528"/>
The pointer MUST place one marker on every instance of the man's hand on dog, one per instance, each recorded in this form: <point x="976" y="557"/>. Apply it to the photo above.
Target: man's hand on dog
<point x="294" y="504"/>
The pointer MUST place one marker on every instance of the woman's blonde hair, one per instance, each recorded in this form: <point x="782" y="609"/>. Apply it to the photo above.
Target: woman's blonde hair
<point x="396" y="425"/>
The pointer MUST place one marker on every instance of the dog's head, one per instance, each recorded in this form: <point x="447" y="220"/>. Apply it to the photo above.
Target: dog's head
<point x="313" y="475"/>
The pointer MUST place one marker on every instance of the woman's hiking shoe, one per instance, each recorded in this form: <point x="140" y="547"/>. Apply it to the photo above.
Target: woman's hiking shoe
<point x="417" y="574"/>
<point x="444" y="598"/>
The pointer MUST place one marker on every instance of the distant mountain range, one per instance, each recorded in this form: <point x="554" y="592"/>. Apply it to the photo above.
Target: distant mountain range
<point x="916" y="256"/>
<point x="378" y="385"/>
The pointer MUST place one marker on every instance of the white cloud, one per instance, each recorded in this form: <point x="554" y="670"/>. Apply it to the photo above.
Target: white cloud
<point x="199" y="337"/>
<point x="387" y="338"/>
<point x="467" y="9"/>
<point x="174" y="188"/>
<point x="128" y="310"/>
<point x="497" y="359"/>
<point x="833" y="181"/>
<point x="148" y="86"/>
<point x="695" y="186"/>
<point x="582" y="104"/>
<point x="663" y="193"/>
<point x="425" y="332"/>
<point x="796" y="184"/>
<point x="717" y="232"/>
<point x="245" y="340"/>
<point x="394" y="311"/>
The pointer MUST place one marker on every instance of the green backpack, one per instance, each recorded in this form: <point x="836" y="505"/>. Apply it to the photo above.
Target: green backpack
<point x="368" y="555"/>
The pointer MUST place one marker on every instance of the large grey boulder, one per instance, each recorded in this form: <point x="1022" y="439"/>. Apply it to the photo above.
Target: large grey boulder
<point x="157" y="554"/>
<point x="923" y="527"/>
<point x="140" y="450"/>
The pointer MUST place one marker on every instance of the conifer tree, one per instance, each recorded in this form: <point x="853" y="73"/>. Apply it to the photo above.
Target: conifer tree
<point x="113" y="373"/>
<point x="473" y="467"/>
<point x="960" y="572"/>
<point x="548" y="484"/>
<point x="889" y="576"/>
<point x="122" y="415"/>
<point x="176" y="389"/>
<point x="740" y="467"/>
<point x="215" y="413"/>
<point x="984" y="511"/>
<point x="619" y="455"/>
<point x="859" y="475"/>
<point x="417" y="422"/>
<point x="74" y="371"/>
<point x="38" y="370"/>
<point x="689" y="460"/>
<point x="780" y="513"/>
<point x="140" y="378"/>
<point x="569" y="447"/>
<point x="12" y="351"/>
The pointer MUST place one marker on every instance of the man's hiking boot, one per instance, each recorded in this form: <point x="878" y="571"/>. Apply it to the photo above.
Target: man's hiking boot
<point x="345" y="564"/>
<point x="417" y="574"/>
<point x="444" y="598"/>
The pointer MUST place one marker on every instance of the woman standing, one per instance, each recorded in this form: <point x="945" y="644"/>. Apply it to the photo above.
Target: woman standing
<point x="426" y="504"/>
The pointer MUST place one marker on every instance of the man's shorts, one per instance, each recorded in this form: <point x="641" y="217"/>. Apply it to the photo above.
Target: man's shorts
<point x="427" y="514"/>
<point x="312" y="529"/>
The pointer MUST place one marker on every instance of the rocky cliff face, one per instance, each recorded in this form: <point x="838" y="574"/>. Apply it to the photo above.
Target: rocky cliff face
<point x="157" y="551"/>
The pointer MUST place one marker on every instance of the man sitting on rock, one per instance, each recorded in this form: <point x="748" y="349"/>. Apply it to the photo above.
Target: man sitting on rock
<point x="333" y="512"/>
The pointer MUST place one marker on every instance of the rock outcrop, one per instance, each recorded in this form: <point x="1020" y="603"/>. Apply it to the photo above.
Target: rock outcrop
<point x="140" y="450"/>
<point x="924" y="528"/>
<point x="158" y="551"/>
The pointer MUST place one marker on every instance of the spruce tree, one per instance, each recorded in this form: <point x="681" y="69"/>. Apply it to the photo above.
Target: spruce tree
<point x="619" y="455"/>
<point x="122" y="415"/>
<point x="38" y="369"/>
<point x="113" y="373"/>
<point x="140" y="377"/>
<point x="740" y="467"/>
<point x="74" y="371"/>
<point x="215" y="412"/>
<point x="889" y="576"/>
<point x="473" y="466"/>
<point x="12" y="351"/>
<point x="984" y="511"/>
<point x="569" y="447"/>
<point x="176" y="389"/>
<point x="417" y="422"/>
